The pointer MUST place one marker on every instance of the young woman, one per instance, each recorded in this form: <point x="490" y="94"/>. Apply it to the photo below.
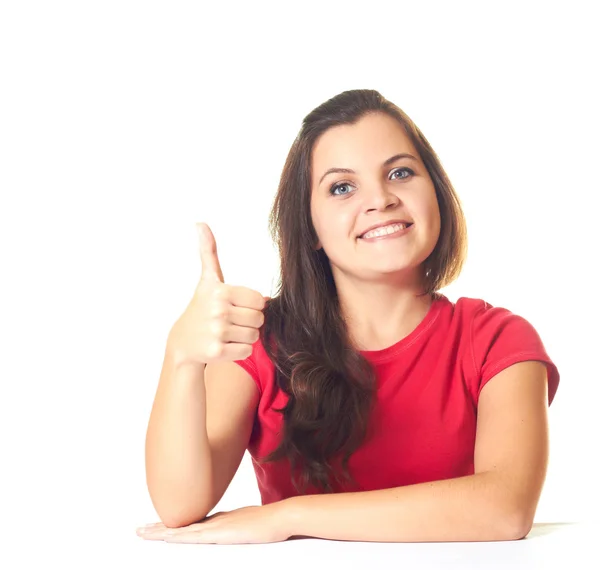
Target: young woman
<point x="363" y="395"/>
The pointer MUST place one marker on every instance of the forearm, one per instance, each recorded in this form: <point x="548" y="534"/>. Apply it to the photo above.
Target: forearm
<point x="470" y="508"/>
<point x="178" y="458"/>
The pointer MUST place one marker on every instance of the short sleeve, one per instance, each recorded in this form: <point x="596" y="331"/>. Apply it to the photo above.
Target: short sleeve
<point x="249" y="364"/>
<point x="500" y="338"/>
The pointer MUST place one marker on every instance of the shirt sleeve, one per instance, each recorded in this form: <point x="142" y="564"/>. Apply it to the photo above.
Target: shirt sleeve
<point x="500" y="338"/>
<point x="249" y="364"/>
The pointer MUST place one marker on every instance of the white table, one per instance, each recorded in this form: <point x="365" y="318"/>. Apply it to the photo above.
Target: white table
<point x="547" y="546"/>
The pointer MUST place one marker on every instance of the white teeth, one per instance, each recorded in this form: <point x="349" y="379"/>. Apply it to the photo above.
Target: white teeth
<point x="385" y="230"/>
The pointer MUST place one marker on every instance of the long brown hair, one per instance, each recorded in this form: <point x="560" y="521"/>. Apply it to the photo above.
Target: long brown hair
<point x="331" y="386"/>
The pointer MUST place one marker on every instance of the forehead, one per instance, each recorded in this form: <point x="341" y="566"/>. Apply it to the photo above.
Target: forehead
<point x="365" y="144"/>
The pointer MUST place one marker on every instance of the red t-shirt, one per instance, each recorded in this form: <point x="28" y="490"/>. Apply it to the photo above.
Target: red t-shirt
<point x="428" y="387"/>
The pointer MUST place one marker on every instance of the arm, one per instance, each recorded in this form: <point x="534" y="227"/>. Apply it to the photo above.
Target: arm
<point x="497" y="502"/>
<point x="178" y="459"/>
<point x="198" y="431"/>
<point x="462" y="509"/>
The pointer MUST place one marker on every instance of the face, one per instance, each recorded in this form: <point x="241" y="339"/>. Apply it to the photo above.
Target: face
<point x="344" y="205"/>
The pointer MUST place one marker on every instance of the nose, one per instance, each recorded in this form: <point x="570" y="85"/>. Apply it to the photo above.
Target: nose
<point x="378" y="198"/>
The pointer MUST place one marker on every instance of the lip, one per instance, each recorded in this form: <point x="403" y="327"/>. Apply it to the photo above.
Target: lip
<point x="382" y="224"/>
<point x="393" y="235"/>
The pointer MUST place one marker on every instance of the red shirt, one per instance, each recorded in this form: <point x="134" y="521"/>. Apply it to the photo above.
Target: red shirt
<point x="428" y="387"/>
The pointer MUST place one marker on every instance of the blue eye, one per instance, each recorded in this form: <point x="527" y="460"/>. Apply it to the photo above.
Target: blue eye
<point x="405" y="170"/>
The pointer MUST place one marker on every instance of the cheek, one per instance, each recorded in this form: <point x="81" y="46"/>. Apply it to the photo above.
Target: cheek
<point x="316" y="219"/>
<point x="332" y="222"/>
<point x="436" y="222"/>
<point x="433" y="209"/>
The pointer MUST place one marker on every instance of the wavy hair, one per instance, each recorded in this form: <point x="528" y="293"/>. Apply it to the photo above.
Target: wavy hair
<point x="330" y="385"/>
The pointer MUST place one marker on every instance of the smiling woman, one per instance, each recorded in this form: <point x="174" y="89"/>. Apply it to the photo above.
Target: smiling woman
<point x="373" y="407"/>
<point x="385" y="394"/>
<point x="358" y="164"/>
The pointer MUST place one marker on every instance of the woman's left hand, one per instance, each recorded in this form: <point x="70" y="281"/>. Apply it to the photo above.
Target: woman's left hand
<point x="248" y="525"/>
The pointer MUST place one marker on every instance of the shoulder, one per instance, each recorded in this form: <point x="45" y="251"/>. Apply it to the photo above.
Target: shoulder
<point x="493" y="324"/>
<point x="481" y="317"/>
<point x="470" y="306"/>
<point x="498" y="338"/>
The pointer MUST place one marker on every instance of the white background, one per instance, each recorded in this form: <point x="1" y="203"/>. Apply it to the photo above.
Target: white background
<point x="124" y="123"/>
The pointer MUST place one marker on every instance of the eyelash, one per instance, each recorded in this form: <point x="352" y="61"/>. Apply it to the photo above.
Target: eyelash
<point x="338" y="184"/>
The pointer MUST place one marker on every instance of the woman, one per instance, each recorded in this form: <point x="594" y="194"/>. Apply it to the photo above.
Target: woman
<point x="371" y="421"/>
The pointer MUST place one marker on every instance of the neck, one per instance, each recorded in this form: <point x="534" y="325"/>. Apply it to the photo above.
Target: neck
<point x="380" y="315"/>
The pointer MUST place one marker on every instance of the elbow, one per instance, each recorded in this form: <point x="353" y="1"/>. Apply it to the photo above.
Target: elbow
<point x="177" y="514"/>
<point x="517" y="526"/>
<point x="181" y="519"/>
<point x="173" y="522"/>
<point x="179" y="508"/>
<point x="522" y="527"/>
<point x="170" y="522"/>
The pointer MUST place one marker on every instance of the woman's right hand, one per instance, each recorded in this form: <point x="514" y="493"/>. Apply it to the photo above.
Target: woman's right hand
<point x="221" y="321"/>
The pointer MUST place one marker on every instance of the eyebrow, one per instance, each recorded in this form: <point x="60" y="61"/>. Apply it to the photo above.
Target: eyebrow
<point x="386" y="163"/>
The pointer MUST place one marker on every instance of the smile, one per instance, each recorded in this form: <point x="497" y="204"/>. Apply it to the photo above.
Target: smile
<point x="387" y="232"/>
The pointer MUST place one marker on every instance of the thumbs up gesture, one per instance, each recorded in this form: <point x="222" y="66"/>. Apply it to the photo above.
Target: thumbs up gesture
<point x="221" y="322"/>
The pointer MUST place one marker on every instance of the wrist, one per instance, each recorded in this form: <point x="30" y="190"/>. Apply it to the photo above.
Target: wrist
<point x="180" y="360"/>
<point x="289" y="515"/>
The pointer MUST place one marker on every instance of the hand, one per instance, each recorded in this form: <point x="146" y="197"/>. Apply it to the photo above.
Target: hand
<point x="248" y="525"/>
<point x="221" y="321"/>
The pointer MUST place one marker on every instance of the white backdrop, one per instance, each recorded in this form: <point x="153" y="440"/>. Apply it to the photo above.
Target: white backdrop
<point x="124" y="123"/>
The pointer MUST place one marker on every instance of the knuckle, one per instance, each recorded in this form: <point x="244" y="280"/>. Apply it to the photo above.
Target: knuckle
<point x="220" y="292"/>
<point x="217" y="328"/>
<point x="215" y="350"/>
<point x="219" y="310"/>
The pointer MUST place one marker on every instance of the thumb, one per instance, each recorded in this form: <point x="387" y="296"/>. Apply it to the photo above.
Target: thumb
<point x="211" y="269"/>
